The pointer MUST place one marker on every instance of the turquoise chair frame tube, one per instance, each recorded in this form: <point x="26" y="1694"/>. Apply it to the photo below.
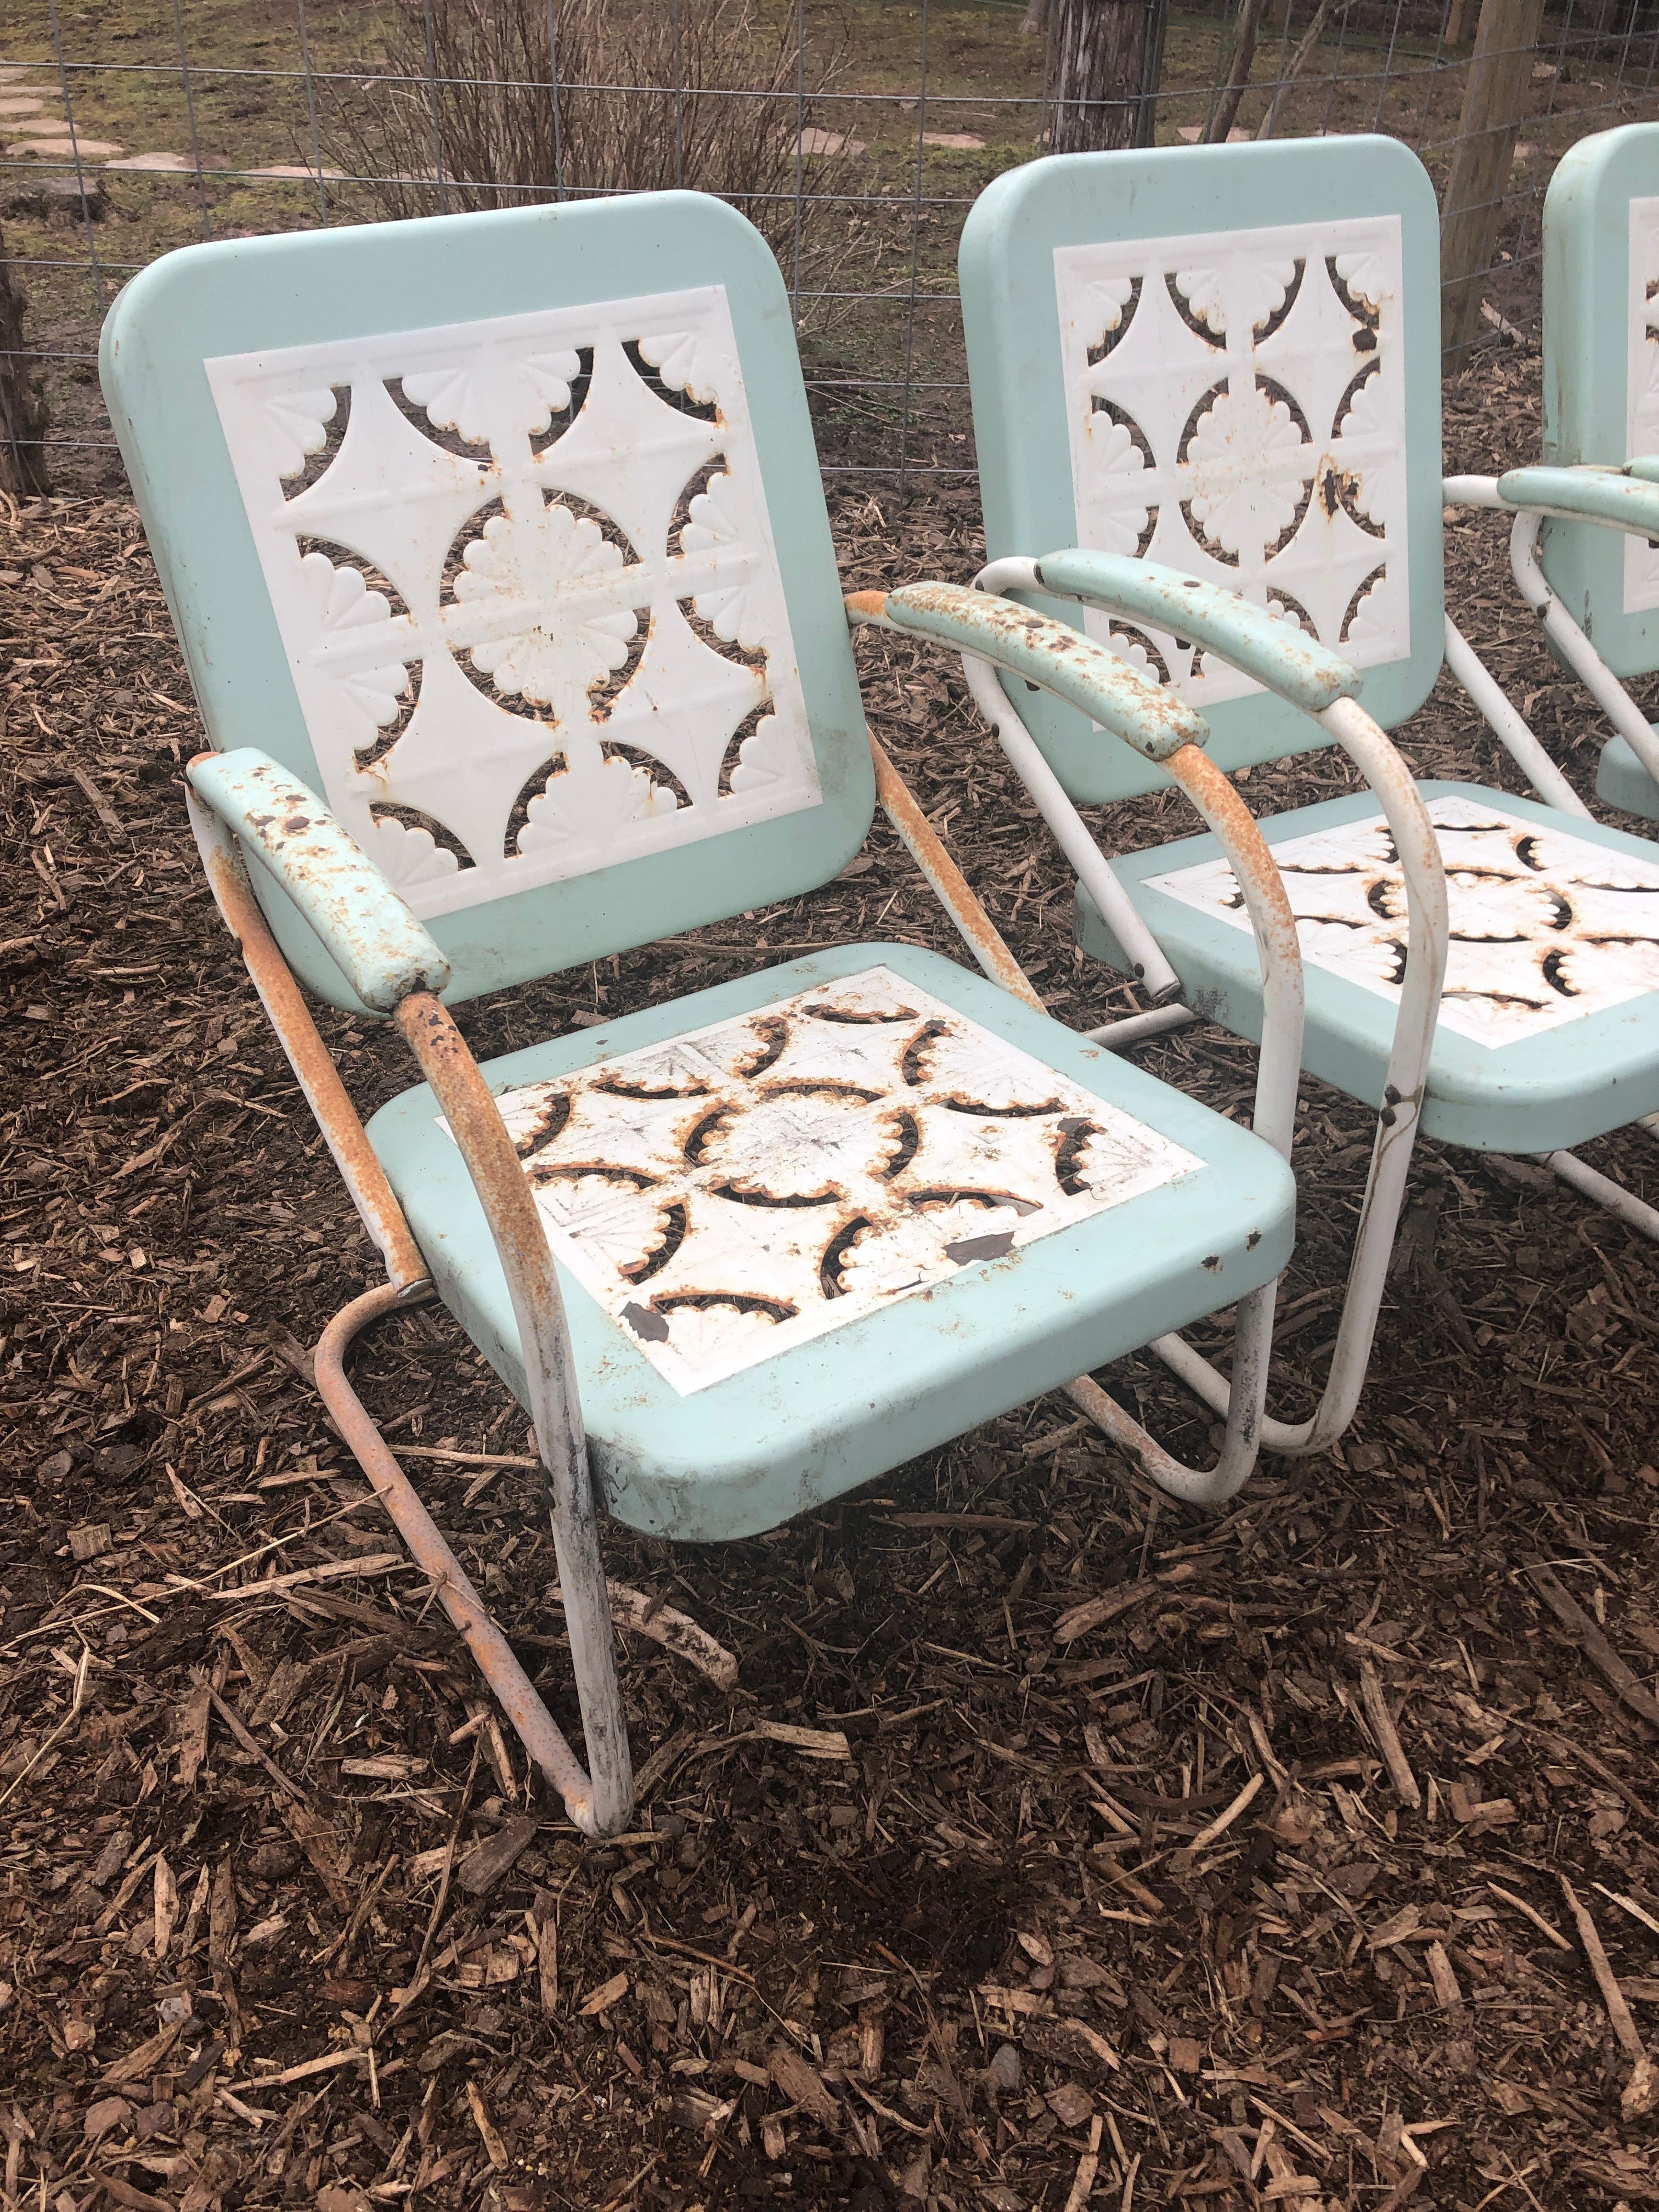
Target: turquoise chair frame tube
<point x="993" y="633"/>
<point x="1315" y="681"/>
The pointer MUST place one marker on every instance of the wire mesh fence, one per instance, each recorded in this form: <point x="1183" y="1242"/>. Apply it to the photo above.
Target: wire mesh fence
<point x="856" y="136"/>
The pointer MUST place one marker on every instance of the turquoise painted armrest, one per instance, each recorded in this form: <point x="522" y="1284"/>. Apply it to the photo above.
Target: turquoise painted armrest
<point x="379" y="947"/>
<point x="1087" y="676"/>
<point x="1587" y="494"/>
<point x="1645" y="466"/>
<point x="1278" y="655"/>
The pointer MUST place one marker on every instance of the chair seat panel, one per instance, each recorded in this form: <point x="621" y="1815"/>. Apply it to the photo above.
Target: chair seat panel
<point x="814" y="1222"/>
<point x="1549" y="1024"/>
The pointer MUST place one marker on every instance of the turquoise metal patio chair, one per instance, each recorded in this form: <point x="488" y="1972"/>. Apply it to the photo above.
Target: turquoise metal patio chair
<point x="1594" y="500"/>
<point x="1213" y="373"/>
<point x="498" y="552"/>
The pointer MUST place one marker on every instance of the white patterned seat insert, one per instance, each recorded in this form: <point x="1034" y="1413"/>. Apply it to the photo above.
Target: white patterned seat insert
<point x="738" y="1191"/>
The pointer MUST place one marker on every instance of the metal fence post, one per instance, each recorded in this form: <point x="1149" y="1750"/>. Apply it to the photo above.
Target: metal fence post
<point x="1500" y="71"/>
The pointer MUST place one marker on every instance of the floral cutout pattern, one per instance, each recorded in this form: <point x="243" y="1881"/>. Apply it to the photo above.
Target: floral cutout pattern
<point x="1642" y="389"/>
<point x="1235" y="408"/>
<point x="744" y="1189"/>
<point x="486" y="575"/>
<point x="1545" y="927"/>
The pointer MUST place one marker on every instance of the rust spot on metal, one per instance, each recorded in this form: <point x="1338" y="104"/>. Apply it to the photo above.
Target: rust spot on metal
<point x="957" y="1104"/>
<point x="747" y="1302"/>
<point x="772" y="1039"/>
<point x="1074" y="1135"/>
<point x="548" y="1125"/>
<point x="674" y="1221"/>
<point x="836" y="1252"/>
<point x="824" y="1086"/>
<point x="700" y="1133"/>
<point x="827" y="1196"/>
<point x="917" y="1055"/>
<point x="907" y="1142"/>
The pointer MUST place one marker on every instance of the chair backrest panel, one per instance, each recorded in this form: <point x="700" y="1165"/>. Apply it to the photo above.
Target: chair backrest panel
<point x="539" y="593"/>
<point x="1602" y="375"/>
<point x="1257" y="406"/>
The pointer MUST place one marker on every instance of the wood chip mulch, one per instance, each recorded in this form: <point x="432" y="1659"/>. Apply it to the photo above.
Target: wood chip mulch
<point x="1042" y="1844"/>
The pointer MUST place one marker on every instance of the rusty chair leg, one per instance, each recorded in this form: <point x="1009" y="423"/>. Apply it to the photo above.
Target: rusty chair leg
<point x="537" y="1730"/>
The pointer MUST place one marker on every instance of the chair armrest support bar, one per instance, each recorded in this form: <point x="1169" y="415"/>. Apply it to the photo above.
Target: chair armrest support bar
<point x="1087" y="676"/>
<point x="926" y="849"/>
<point x="1071" y="832"/>
<point x="1278" y="654"/>
<point x="1575" y="648"/>
<point x="1586" y="494"/>
<point x="1472" y="491"/>
<point x="377" y="944"/>
<point x="1505" y="720"/>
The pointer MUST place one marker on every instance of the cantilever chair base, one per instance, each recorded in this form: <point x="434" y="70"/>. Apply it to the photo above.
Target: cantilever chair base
<point x="899" y="1092"/>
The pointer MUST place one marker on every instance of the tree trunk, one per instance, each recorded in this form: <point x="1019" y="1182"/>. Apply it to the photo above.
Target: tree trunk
<point x="1108" y="54"/>
<point x="1238" y="75"/>
<point x="22" y="410"/>
<point x="1500" y="72"/>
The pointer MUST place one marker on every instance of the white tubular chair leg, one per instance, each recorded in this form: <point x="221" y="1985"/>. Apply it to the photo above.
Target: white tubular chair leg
<point x="1279" y="1071"/>
<point x="1505" y="722"/>
<point x="1576" y="649"/>
<point x="1406" y="1074"/>
<point x="1611" y="1196"/>
<point x="1380" y="763"/>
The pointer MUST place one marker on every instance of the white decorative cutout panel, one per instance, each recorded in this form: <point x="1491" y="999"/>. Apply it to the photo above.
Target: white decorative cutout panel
<point x="1545" y="927"/>
<point x="530" y="598"/>
<point x="738" y="1191"/>
<point x="1236" y="409"/>
<point x="1642" y="389"/>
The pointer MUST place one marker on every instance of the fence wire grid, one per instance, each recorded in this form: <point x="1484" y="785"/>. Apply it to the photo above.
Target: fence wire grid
<point x="855" y="133"/>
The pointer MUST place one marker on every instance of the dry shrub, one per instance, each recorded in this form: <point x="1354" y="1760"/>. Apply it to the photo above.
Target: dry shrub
<point x="499" y="103"/>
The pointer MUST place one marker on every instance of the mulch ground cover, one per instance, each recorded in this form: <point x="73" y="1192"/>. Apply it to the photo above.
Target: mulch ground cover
<point x="1045" y="1842"/>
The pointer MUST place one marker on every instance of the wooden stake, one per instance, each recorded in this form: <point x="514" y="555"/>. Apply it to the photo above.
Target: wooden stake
<point x="1500" y="69"/>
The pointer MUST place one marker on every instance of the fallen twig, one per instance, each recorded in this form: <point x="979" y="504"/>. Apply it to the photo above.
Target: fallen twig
<point x="1641" y="2091"/>
<point x="1592" y="1643"/>
<point x="1223" y="1821"/>
<point x="1388" y="1737"/>
<point x="676" y="1631"/>
<point x="1531" y="1913"/>
<point x="76" y="1701"/>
